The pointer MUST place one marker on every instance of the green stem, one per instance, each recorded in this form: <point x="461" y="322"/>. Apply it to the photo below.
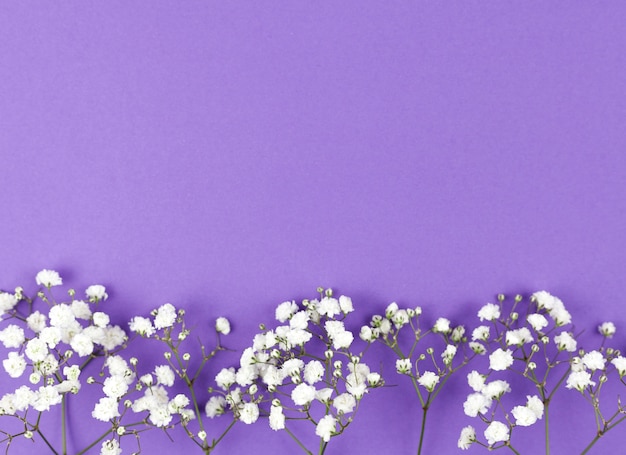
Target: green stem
<point x="423" y="429"/>
<point x="47" y="442"/>
<point x="599" y="434"/>
<point x="293" y="436"/>
<point x="217" y="441"/>
<point x="322" y="449"/>
<point x="547" y="427"/>
<point x="64" y="423"/>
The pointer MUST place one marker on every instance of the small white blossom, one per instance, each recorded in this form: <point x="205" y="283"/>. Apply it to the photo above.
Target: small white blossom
<point x="476" y="403"/>
<point x="537" y="321"/>
<point x="285" y="310"/>
<point x="489" y="312"/>
<point x="620" y="365"/>
<point x="476" y="381"/>
<point x="314" y="372"/>
<point x="442" y="325"/>
<point x="142" y="326"/>
<point x="607" y="329"/>
<point x="480" y="333"/>
<point x="344" y="403"/>
<point x="165" y="316"/>
<point x="277" y="418"/>
<point x="428" y="380"/>
<point x="215" y="406"/>
<point x="496" y="389"/>
<point x="565" y="342"/>
<point x="468" y="436"/>
<point x="96" y="293"/>
<point x="12" y="336"/>
<point x="496" y="432"/>
<point x="110" y="447"/>
<point x="403" y="366"/>
<point x="345" y="303"/>
<point x="594" y="360"/>
<point x="106" y="409"/>
<point x="579" y="380"/>
<point x="500" y="360"/>
<point x="303" y="394"/>
<point x="518" y="337"/>
<point x="222" y="325"/>
<point x="326" y="427"/>
<point x="48" y="278"/>
<point x="14" y="365"/>
<point x="249" y="413"/>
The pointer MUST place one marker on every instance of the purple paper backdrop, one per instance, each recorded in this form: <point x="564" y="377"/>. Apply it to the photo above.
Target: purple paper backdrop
<point x="227" y="156"/>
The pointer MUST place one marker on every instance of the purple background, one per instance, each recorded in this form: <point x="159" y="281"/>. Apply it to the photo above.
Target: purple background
<point x="229" y="156"/>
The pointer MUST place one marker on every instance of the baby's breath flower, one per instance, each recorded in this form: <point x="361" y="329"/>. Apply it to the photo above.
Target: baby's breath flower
<point x="468" y="436"/>
<point x="48" y="278"/>
<point x="222" y="325"/>
<point x="607" y="329"/>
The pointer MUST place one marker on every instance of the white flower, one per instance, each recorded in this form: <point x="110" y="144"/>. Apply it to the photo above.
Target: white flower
<point x="607" y="329"/>
<point x="341" y="338"/>
<point x="62" y="316"/>
<point x="326" y="427"/>
<point x="476" y="403"/>
<point x="489" y="312"/>
<point x="80" y="309"/>
<point x="442" y="325"/>
<point x="565" y="342"/>
<point x="300" y="320"/>
<point x="537" y="321"/>
<point x="428" y="380"/>
<point x="165" y="316"/>
<point x="82" y="344"/>
<point x="328" y="306"/>
<point x="500" y="360"/>
<point x="518" y="337"/>
<point x="215" y="406"/>
<point x="391" y="309"/>
<point x="14" y="365"/>
<point x="164" y="375"/>
<point x="476" y="381"/>
<point x="344" y="403"/>
<point x="448" y="354"/>
<point x="7" y="302"/>
<point x="535" y="404"/>
<point x="110" y="447"/>
<point x="468" y="436"/>
<point x="579" y="380"/>
<point x="100" y="319"/>
<point x="292" y="367"/>
<point x="222" y="325"/>
<point x="524" y="416"/>
<point x="45" y="397"/>
<point x="96" y="292"/>
<point x="401" y="318"/>
<point x="48" y="278"/>
<point x="477" y="347"/>
<point x="142" y="326"/>
<point x="345" y="303"/>
<point x="249" y="413"/>
<point x="496" y="432"/>
<point x="12" y="336"/>
<point x="496" y="388"/>
<point x="36" y="321"/>
<point x="285" y="310"/>
<point x="620" y="364"/>
<point x="36" y="350"/>
<point x="303" y="394"/>
<point x="480" y="333"/>
<point x="403" y="366"/>
<point x="277" y="418"/>
<point x="313" y="372"/>
<point x="115" y="386"/>
<point x="105" y="409"/>
<point x="594" y="360"/>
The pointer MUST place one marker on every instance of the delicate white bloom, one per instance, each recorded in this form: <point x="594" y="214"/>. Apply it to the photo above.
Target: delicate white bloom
<point x="428" y="380"/>
<point x="489" y="312"/>
<point x="62" y="316"/>
<point x="36" y="321"/>
<point x="449" y="353"/>
<point x="607" y="329"/>
<point x="164" y="375"/>
<point x="117" y="365"/>
<point x="45" y="397"/>
<point x="14" y="365"/>
<point x="110" y="447"/>
<point x="374" y="379"/>
<point x="329" y="306"/>
<point x="366" y="334"/>
<point x="82" y="344"/>
<point x="500" y="360"/>
<point x="300" y="320"/>
<point x="277" y="418"/>
<point x="285" y="310"/>
<point x="468" y="436"/>
<point x="105" y="409"/>
<point x="36" y="350"/>
<point x="71" y="373"/>
<point x="344" y="403"/>
<point x="544" y="299"/>
<point x="391" y="309"/>
<point x="323" y="395"/>
<point x="476" y="381"/>
<point x="476" y="403"/>
<point x="48" y="278"/>
<point x="222" y="325"/>
<point x="579" y="380"/>
<point x="535" y="404"/>
<point x="303" y="394"/>
<point x="480" y="333"/>
<point x="313" y="372"/>
<point x="47" y="366"/>
<point x="12" y="336"/>
<point x="51" y="336"/>
<point x="215" y="406"/>
<point x="565" y="342"/>
<point x="356" y="384"/>
<point x="7" y="302"/>
<point x="326" y="427"/>
<point x="537" y="321"/>
<point x="100" y="319"/>
<point x="115" y="386"/>
<point x="620" y="364"/>
<point x="524" y="416"/>
<point x="22" y="398"/>
<point x="477" y="347"/>
<point x="142" y="326"/>
<point x="457" y="333"/>
<point x="403" y="366"/>
<point x="496" y="432"/>
<point x="80" y="309"/>
<point x="96" y="293"/>
<point x="496" y="388"/>
<point x="249" y="413"/>
<point x="341" y="338"/>
<point x="110" y="337"/>
<point x="345" y="303"/>
<point x="594" y="360"/>
<point x="292" y="367"/>
<point x="442" y="325"/>
<point x="165" y="316"/>
<point x="400" y="319"/>
<point x="518" y="337"/>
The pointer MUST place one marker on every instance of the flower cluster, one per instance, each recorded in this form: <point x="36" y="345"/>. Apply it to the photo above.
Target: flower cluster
<point x="305" y="365"/>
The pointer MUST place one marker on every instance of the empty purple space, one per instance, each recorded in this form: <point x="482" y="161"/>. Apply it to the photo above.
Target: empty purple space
<point x="226" y="157"/>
